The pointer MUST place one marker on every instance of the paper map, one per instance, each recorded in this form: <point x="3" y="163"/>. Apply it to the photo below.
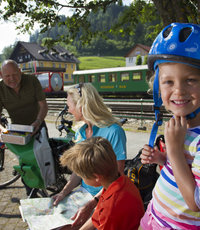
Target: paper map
<point x="39" y="213"/>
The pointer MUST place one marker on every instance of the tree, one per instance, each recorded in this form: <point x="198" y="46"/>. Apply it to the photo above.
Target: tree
<point x="178" y="11"/>
<point x="138" y="60"/>
<point x="46" y="14"/>
<point x="145" y="60"/>
<point x="6" y="52"/>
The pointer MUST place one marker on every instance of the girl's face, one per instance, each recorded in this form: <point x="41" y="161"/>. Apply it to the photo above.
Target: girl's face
<point x="180" y="88"/>
<point x="72" y="109"/>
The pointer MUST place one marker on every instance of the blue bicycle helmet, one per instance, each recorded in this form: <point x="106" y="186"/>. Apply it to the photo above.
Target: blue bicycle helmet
<point x="177" y="42"/>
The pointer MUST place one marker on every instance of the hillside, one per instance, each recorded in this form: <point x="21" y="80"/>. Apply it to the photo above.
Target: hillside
<point x="94" y="62"/>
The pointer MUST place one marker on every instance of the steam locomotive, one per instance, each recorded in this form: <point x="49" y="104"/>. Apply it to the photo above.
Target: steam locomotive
<point x="52" y="83"/>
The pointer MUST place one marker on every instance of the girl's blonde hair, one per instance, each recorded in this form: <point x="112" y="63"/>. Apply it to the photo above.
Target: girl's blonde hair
<point x="94" y="110"/>
<point x="92" y="156"/>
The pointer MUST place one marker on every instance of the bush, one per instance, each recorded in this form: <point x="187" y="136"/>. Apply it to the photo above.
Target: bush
<point x="138" y="60"/>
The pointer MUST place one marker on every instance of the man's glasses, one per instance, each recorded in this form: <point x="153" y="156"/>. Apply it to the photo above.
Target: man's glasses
<point x="79" y="86"/>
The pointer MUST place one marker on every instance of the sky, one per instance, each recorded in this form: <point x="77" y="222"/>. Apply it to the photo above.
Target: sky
<point x="9" y="35"/>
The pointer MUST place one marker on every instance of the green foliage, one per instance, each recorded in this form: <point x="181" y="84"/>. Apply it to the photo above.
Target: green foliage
<point x="6" y="53"/>
<point x="138" y="60"/>
<point x="178" y="11"/>
<point x="93" y="62"/>
<point x="80" y="27"/>
<point x="114" y="44"/>
<point x="145" y="60"/>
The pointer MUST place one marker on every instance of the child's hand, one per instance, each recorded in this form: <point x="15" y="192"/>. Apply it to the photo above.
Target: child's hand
<point x="152" y="155"/>
<point x="175" y="131"/>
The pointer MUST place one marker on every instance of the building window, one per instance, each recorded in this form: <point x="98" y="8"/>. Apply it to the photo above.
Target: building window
<point x="72" y="66"/>
<point x="137" y="52"/>
<point x="54" y="65"/>
<point x="41" y="64"/>
<point x="66" y="76"/>
<point x="59" y="65"/>
<point x="65" y="66"/>
<point x="130" y="60"/>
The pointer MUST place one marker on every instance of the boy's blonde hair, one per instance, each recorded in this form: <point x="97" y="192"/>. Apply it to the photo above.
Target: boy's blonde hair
<point x="94" y="110"/>
<point x="92" y="156"/>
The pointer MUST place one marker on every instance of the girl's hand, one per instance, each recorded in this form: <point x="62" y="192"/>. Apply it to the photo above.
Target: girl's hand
<point x="152" y="155"/>
<point x="175" y="131"/>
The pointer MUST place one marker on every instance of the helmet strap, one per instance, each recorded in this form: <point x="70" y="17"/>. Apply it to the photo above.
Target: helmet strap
<point x="193" y="114"/>
<point x="156" y="106"/>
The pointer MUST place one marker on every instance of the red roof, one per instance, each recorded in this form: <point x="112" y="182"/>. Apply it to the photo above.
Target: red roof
<point x="146" y="48"/>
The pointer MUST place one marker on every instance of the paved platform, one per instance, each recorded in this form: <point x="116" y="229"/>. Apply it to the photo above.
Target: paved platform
<point x="10" y="218"/>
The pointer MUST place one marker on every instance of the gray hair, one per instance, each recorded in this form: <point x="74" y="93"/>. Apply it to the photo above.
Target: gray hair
<point x="9" y="61"/>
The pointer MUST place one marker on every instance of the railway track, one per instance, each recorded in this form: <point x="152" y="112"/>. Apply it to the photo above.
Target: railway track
<point x="138" y="109"/>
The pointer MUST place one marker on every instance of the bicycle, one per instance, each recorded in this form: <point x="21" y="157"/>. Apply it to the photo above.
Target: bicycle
<point x="58" y="146"/>
<point x="7" y="174"/>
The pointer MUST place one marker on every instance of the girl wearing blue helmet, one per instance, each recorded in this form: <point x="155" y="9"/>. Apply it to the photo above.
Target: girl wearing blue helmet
<point x="175" y="58"/>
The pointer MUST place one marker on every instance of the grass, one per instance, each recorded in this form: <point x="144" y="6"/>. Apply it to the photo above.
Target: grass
<point x="94" y="62"/>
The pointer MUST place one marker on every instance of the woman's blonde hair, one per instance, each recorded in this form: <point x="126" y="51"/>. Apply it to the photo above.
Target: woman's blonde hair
<point x="94" y="110"/>
<point x="92" y="156"/>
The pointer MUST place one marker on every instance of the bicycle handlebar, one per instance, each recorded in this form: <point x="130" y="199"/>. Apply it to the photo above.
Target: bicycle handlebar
<point x="3" y="120"/>
<point x="68" y="128"/>
<point x="65" y="124"/>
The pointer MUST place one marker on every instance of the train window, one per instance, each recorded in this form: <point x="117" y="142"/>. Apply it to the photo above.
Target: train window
<point x="102" y="78"/>
<point x="112" y="77"/>
<point x="91" y="78"/>
<point x="81" y="79"/>
<point x="124" y="76"/>
<point x="137" y="76"/>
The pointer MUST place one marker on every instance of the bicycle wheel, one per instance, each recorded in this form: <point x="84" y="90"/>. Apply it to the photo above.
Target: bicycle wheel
<point x="7" y="173"/>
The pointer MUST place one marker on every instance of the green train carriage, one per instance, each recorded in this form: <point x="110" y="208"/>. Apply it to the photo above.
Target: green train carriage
<point x="127" y="82"/>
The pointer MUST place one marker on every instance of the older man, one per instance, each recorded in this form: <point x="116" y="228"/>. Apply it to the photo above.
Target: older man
<point x="23" y="98"/>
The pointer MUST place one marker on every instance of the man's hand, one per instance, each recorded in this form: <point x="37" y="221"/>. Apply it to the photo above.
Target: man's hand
<point x="36" y="124"/>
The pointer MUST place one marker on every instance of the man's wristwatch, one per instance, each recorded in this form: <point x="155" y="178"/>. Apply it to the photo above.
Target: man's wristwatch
<point x="39" y="121"/>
